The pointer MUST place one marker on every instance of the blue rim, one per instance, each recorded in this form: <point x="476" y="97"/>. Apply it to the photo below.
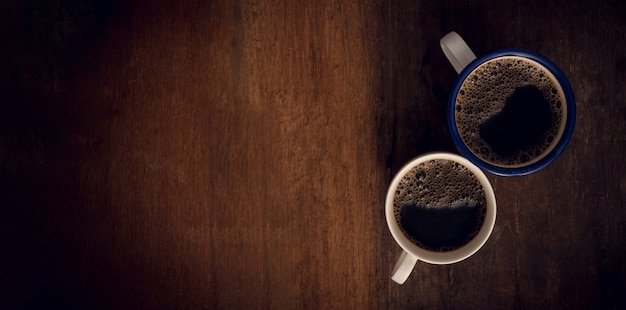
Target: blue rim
<point x="567" y="132"/>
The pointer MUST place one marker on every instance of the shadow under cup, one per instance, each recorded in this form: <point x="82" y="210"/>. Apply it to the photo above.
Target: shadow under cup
<point x="487" y="107"/>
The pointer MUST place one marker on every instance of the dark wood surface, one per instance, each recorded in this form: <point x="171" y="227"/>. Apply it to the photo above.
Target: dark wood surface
<point x="236" y="154"/>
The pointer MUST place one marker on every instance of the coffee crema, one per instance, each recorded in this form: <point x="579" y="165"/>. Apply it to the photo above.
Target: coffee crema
<point x="440" y="205"/>
<point x="510" y="111"/>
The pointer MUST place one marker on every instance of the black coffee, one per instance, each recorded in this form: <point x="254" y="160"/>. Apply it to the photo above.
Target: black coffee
<point x="440" y="205"/>
<point x="510" y="111"/>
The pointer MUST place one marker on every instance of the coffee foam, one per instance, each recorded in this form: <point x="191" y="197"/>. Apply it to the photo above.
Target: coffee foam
<point x="440" y="183"/>
<point x="484" y="93"/>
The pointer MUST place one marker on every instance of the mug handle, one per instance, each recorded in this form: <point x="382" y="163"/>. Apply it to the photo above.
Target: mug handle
<point x="403" y="268"/>
<point x="457" y="51"/>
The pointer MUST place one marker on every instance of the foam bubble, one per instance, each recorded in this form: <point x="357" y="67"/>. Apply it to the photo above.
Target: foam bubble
<point x="484" y="95"/>
<point x="440" y="184"/>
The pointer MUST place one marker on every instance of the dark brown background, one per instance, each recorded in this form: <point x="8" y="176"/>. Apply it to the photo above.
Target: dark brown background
<point x="235" y="154"/>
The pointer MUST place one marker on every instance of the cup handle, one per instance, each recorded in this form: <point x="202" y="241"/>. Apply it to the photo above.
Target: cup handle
<point x="457" y="51"/>
<point x="403" y="267"/>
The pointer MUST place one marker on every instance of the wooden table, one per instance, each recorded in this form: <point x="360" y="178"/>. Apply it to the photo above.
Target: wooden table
<point x="236" y="154"/>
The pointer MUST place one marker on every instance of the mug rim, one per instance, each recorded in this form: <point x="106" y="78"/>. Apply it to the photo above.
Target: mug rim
<point x="446" y="257"/>
<point x="569" y="122"/>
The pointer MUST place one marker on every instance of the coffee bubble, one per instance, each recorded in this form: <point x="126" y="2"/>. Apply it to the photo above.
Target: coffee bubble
<point x="440" y="205"/>
<point x="483" y="96"/>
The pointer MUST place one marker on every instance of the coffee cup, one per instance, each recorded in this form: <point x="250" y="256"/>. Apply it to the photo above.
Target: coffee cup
<point x="510" y="112"/>
<point x="440" y="209"/>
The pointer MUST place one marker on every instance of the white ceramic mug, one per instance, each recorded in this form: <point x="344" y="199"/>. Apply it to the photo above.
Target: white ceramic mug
<point x="412" y="252"/>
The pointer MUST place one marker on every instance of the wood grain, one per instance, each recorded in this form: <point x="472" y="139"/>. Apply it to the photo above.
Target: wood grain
<point x="236" y="154"/>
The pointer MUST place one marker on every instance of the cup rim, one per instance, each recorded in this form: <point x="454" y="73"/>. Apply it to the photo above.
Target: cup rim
<point x="569" y="123"/>
<point x="466" y="250"/>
